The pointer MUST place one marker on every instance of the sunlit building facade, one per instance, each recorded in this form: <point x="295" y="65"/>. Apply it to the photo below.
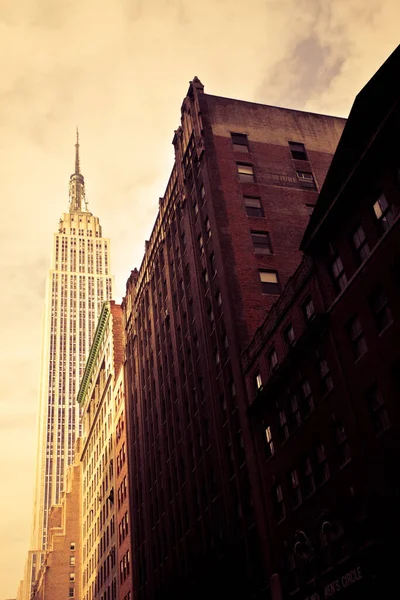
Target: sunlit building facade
<point x="78" y="282"/>
<point x="100" y="386"/>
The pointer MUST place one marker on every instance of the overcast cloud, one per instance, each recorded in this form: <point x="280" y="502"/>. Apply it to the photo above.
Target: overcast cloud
<point x="120" y="69"/>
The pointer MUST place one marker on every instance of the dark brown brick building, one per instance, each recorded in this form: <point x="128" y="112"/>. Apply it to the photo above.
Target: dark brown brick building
<point x="323" y="374"/>
<point x="224" y="244"/>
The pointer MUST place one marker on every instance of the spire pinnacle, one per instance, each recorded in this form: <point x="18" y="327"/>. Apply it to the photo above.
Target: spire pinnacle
<point x="77" y="200"/>
<point x="77" y="165"/>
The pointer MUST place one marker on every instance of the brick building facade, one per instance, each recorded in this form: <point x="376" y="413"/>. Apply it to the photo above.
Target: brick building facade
<point x="224" y="244"/>
<point x="323" y="374"/>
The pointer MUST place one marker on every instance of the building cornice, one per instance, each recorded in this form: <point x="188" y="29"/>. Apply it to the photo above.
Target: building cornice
<point x="94" y="351"/>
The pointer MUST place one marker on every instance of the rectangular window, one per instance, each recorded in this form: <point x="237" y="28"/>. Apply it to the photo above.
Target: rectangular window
<point x="306" y="179"/>
<point x="380" y="309"/>
<point x="240" y="142"/>
<point x="295" y="416"/>
<point x="72" y="546"/>
<point x="253" y="207"/>
<point x="269" y="282"/>
<point x="383" y="213"/>
<point x="270" y="444"/>
<point x="71" y="592"/>
<point x="295" y="486"/>
<point x="309" y="483"/>
<point x="322" y="469"/>
<point x="72" y="577"/>
<point x="298" y="151"/>
<point x="325" y="374"/>
<point x="258" y="381"/>
<point x="208" y="227"/>
<point x="289" y="335"/>
<point x="377" y="409"/>
<point x="357" y="339"/>
<point x="308" y="308"/>
<point x="342" y="444"/>
<point x="72" y="561"/>
<point x="338" y="274"/>
<point x="261" y="242"/>
<point x="246" y="173"/>
<point x="278" y="503"/>
<point x="283" y="426"/>
<point x="272" y="359"/>
<point x="307" y="400"/>
<point x="360" y="245"/>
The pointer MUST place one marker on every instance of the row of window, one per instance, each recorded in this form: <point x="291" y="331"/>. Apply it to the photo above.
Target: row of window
<point x="246" y="175"/>
<point x="384" y="217"/>
<point x="240" y="143"/>
<point x="311" y="472"/>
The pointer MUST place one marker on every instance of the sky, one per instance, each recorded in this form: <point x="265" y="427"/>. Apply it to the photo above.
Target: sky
<point x="120" y="70"/>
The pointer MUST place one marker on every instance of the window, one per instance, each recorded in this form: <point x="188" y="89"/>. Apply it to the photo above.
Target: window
<point x="383" y="213"/>
<point x="72" y="546"/>
<point x="208" y="227"/>
<point x="283" y="426"/>
<point x="272" y="359"/>
<point x="71" y="592"/>
<point x="308" y="308"/>
<point x="72" y="576"/>
<point x="261" y="242"/>
<point x="307" y="400"/>
<point x="258" y="381"/>
<point x="325" y="374"/>
<point x="240" y="142"/>
<point x="342" y="444"/>
<point x="253" y="207"/>
<point x="72" y="561"/>
<point x="377" y="409"/>
<point x="306" y="179"/>
<point x="269" y="441"/>
<point x="246" y="173"/>
<point x="269" y="282"/>
<point x="322" y="469"/>
<point x="309" y="483"/>
<point x="295" y="487"/>
<point x="279" y="505"/>
<point x="360" y="245"/>
<point x="201" y="243"/>
<point x="357" y="339"/>
<point x="298" y="151"/>
<point x="338" y="274"/>
<point x="295" y="416"/>
<point x="289" y="336"/>
<point x="380" y="309"/>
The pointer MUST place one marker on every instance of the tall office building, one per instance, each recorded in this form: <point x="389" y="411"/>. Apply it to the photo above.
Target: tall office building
<point x="78" y="283"/>
<point x="224" y="244"/>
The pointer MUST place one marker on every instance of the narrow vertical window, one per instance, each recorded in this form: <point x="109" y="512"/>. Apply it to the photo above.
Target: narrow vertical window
<point x="360" y="245"/>
<point x="295" y="487"/>
<point x="342" y="444"/>
<point x="253" y="207"/>
<point x="338" y="274"/>
<point x="377" y="410"/>
<point x="246" y="173"/>
<point x="261" y="242"/>
<point x="269" y="282"/>
<point x="269" y="441"/>
<point x="279" y="505"/>
<point x="383" y="213"/>
<point x="289" y="335"/>
<point x="357" y="339"/>
<point x="308" y="308"/>
<point x="380" y="309"/>
<point x="272" y="359"/>
<point x="240" y="142"/>
<point x="298" y="151"/>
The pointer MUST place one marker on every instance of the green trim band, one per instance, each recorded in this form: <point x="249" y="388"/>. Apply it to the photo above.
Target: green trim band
<point x="94" y="351"/>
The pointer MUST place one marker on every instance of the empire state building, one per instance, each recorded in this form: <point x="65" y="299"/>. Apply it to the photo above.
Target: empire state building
<point x="78" y="283"/>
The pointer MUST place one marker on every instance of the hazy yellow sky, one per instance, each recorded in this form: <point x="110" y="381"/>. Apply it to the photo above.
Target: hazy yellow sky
<point x="120" y="69"/>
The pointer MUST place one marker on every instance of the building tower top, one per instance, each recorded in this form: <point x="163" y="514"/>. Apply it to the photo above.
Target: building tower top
<point x="77" y="199"/>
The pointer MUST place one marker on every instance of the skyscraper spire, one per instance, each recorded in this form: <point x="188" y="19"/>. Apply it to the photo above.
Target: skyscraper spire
<point x="77" y="166"/>
<point x="77" y="200"/>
